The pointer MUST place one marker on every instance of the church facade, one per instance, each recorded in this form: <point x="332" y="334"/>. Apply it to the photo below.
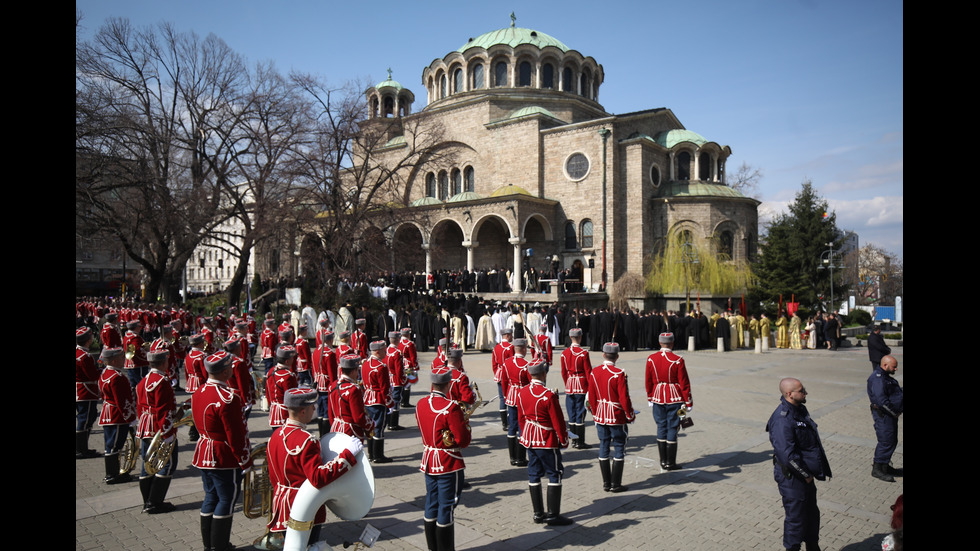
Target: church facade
<point x="530" y="169"/>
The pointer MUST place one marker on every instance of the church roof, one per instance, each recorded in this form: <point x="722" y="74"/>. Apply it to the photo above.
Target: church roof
<point x="670" y="138"/>
<point x="698" y="189"/>
<point x="530" y="110"/>
<point x="513" y="37"/>
<point x="503" y="191"/>
<point x="464" y="196"/>
<point x="390" y="83"/>
<point x="423" y="201"/>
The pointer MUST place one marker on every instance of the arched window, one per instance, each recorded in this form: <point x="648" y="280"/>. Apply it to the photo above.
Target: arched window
<point x="457" y="81"/>
<point x="443" y="186"/>
<point x="443" y="86"/>
<point x="586" y="234"/>
<point x="500" y="74"/>
<point x="726" y="246"/>
<point x="567" y="81"/>
<point x="548" y="76"/>
<point x="570" y="240"/>
<point x="374" y="107"/>
<point x="683" y="165"/>
<point x="524" y="71"/>
<point x="477" y="77"/>
<point x="389" y="108"/>
<point x="469" y="179"/>
<point x="704" y="166"/>
<point x="584" y="83"/>
<point x="430" y="185"/>
<point x="457" y="182"/>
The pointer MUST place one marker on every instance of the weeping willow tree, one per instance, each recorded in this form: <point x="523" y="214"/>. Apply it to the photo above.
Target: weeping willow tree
<point x="688" y="265"/>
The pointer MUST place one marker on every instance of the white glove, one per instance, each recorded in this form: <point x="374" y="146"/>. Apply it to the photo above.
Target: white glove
<point x="650" y="404"/>
<point x="355" y="446"/>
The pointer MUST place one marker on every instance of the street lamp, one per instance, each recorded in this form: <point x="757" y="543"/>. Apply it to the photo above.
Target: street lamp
<point x="829" y="260"/>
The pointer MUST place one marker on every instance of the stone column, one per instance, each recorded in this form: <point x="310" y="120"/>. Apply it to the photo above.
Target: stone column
<point x="470" y="245"/>
<point x="517" y="242"/>
<point x="428" y="262"/>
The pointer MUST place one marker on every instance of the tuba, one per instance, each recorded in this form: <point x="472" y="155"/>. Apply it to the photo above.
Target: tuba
<point x="129" y="453"/>
<point x="350" y="497"/>
<point x="257" y="493"/>
<point x="158" y="452"/>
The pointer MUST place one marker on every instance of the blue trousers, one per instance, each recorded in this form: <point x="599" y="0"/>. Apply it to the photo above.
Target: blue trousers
<point x="221" y="487"/>
<point x="665" y="415"/>
<point x="542" y="462"/>
<point x="575" y="404"/>
<point x="802" y="522"/>
<point x="442" y="495"/>
<point x="614" y="437"/>
<point x="886" y="429"/>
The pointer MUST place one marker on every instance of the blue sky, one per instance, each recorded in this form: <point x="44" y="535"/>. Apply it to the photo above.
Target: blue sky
<point x="801" y="89"/>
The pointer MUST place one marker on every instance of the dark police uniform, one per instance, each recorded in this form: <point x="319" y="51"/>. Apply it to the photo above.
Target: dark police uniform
<point x="797" y="456"/>
<point x="887" y="403"/>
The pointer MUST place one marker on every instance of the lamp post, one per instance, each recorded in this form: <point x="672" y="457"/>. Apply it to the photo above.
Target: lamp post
<point x="829" y="260"/>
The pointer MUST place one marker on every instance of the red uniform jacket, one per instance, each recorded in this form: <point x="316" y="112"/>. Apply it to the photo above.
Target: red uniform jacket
<point x="666" y="379"/>
<point x="194" y="371"/>
<point x="324" y="367"/>
<point x="139" y="355"/>
<point x="396" y="365"/>
<point x="110" y="336"/>
<point x="86" y="376"/>
<point x="276" y="384"/>
<point x="544" y="344"/>
<point x="359" y="342"/>
<point x="242" y="381"/>
<point x="434" y="414"/>
<point x="501" y="353"/>
<point x="609" y="395"/>
<point x="347" y="409"/>
<point x="514" y="377"/>
<point x="575" y="369"/>
<point x="302" y="355"/>
<point x="268" y="341"/>
<point x="293" y="456"/>
<point x="540" y="417"/>
<point x="224" y="435"/>
<point x="377" y="385"/>
<point x="156" y="405"/>
<point x="460" y="390"/>
<point x="409" y="354"/>
<point x="117" y="392"/>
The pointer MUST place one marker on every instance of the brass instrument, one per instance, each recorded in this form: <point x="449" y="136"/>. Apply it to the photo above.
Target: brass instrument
<point x="257" y="489"/>
<point x="158" y="452"/>
<point x="260" y="401"/>
<point x="129" y="453"/>
<point x="131" y="349"/>
<point x="448" y="439"/>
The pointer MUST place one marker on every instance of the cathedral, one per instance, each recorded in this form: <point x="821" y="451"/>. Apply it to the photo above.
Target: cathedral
<point x="529" y="170"/>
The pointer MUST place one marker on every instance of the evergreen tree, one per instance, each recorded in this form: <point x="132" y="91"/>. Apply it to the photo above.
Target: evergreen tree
<point x="791" y="253"/>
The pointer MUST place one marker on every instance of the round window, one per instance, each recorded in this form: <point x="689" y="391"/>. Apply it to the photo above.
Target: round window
<point x="655" y="175"/>
<point x="577" y="166"/>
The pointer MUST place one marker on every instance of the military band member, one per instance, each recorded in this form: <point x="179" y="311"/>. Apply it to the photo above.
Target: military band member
<point x="444" y="435"/>
<point x="543" y="349"/>
<point x="293" y="456"/>
<point x="514" y="377"/>
<point x="278" y="382"/>
<point x="609" y="400"/>
<point x="411" y="358"/>
<point x="222" y="453"/>
<point x="460" y="389"/>
<point x="344" y="347"/>
<point x="118" y="411"/>
<point x="166" y="341"/>
<point x="359" y="339"/>
<point x="396" y="374"/>
<point x="576" y="367"/>
<point x="543" y="434"/>
<point x="86" y="392"/>
<point x="377" y="399"/>
<point x="325" y="372"/>
<point x="668" y="388"/>
<point x="501" y="353"/>
<point x="303" y="374"/>
<point x="347" y="402"/>
<point x="157" y="409"/>
<point x="110" y="335"/>
<point x="241" y="380"/>
<point x="136" y="367"/>
<point x="269" y="341"/>
<point x="323" y="330"/>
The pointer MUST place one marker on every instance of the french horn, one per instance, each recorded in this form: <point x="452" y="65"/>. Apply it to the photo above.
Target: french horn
<point x="158" y="452"/>
<point x="350" y="497"/>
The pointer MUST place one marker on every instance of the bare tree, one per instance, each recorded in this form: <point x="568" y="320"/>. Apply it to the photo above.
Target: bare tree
<point x="352" y="179"/>
<point x="745" y="180"/>
<point x="875" y="274"/>
<point x="154" y="112"/>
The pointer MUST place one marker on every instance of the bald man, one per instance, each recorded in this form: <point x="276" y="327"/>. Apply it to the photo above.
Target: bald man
<point x="887" y="404"/>
<point x="798" y="459"/>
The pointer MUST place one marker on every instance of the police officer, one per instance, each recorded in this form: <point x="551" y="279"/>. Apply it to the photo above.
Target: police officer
<point x="798" y="459"/>
<point x="887" y="404"/>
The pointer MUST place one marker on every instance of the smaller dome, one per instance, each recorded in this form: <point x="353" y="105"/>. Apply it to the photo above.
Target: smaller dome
<point x="670" y="138"/>
<point x="504" y="191"/>
<point x="389" y="83"/>
<point x="425" y="201"/>
<point x="465" y="196"/>
<point x="397" y="140"/>
<point x="530" y="110"/>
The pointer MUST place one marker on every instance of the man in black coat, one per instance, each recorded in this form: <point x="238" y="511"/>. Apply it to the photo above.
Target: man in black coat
<point x="877" y="349"/>
<point x="723" y="330"/>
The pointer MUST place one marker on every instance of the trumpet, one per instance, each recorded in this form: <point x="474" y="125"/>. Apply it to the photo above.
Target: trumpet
<point x="158" y="453"/>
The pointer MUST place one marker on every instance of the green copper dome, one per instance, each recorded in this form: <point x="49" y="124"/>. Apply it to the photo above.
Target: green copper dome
<point x="670" y="138"/>
<point x="513" y="37"/>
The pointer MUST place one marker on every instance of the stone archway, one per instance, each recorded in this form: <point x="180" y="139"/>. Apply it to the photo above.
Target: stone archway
<point x="407" y="254"/>
<point x="446" y="246"/>
<point x="374" y="253"/>
<point x="494" y="249"/>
